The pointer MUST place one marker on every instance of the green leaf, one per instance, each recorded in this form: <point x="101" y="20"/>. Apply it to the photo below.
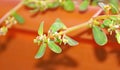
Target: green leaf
<point x="53" y="5"/>
<point x="118" y="37"/>
<point x="99" y="36"/>
<point x="114" y="8"/>
<point x="54" y="47"/>
<point x="107" y="22"/>
<point x="71" y="42"/>
<point x="57" y="25"/>
<point x="68" y="5"/>
<point x="40" y="30"/>
<point x="19" y="18"/>
<point x="84" y="5"/>
<point x="41" y="51"/>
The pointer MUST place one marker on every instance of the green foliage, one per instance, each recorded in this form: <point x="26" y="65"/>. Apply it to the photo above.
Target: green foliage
<point x="84" y="5"/>
<point x="118" y="37"/>
<point x="57" y="34"/>
<point x="53" y="5"/>
<point x="70" y="41"/>
<point x="57" y="25"/>
<point x="68" y="5"/>
<point x="114" y="2"/>
<point x="18" y="17"/>
<point x="51" y="42"/>
<point x="41" y="51"/>
<point x="58" y="40"/>
<point x="54" y="47"/>
<point x="114" y="9"/>
<point x="40" y="30"/>
<point x="115" y="5"/>
<point x="114" y="18"/>
<point x="99" y="36"/>
<point x="107" y="22"/>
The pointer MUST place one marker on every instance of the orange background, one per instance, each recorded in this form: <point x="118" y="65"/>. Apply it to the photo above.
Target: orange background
<point x="17" y="49"/>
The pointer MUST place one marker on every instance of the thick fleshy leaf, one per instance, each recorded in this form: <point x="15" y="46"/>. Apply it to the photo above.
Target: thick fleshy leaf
<point x="19" y="18"/>
<point x="57" y="25"/>
<point x="84" y="5"/>
<point x="99" y="36"/>
<point x="41" y="51"/>
<point x="54" y="47"/>
<point x="118" y="37"/>
<point x="68" y="5"/>
<point x="40" y="30"/>
<point x="71" y="42"/>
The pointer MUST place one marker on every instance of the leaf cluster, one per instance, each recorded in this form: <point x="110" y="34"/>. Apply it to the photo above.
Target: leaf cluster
<point x="53" y="38"/>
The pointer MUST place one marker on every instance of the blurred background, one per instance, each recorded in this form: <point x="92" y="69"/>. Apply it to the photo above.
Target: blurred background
<point x="17" y="49"/>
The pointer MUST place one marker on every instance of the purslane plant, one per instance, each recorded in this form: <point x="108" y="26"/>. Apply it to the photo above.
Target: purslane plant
<point x="100" y="24"/>
<point x="110" y="21"/>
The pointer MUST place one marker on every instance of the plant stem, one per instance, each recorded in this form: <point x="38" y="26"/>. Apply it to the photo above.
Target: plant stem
<point x="105" y="16"/>
<point x="11" y="11"/>
<point x="81" y="25"/>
